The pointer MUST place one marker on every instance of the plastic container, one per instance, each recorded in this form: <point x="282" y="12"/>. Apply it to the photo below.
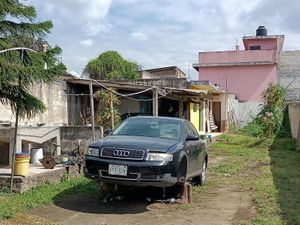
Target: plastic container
<point x="36" y="155"/>
<point x="22" y="164"/>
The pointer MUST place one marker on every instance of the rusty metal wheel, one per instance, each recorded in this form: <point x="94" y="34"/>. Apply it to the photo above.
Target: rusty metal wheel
<point x="48" y="162"/>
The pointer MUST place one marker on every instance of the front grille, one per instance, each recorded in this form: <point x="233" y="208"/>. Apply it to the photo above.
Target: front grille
<point x="130" y="154"/>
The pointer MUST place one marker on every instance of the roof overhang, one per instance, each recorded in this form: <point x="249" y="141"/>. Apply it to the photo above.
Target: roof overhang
<point x="205" y="85"/>
<point x="190" y="93"/>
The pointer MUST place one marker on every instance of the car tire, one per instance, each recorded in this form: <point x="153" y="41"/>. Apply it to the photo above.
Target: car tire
<point x="200" y="180"/>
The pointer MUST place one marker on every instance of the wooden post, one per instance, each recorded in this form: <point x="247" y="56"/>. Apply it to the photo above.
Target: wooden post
<point x="154" y="101"/>
<point x="112" y="111"/>
<point x="298" y="139"/>
<point x="180" y="109"/>
<point x="207" y="116"/>
<point x="92" y="109"/>
<point x="186" y="195"/>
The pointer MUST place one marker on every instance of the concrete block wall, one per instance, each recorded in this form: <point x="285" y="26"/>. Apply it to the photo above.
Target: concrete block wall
<point x="78" y="105"/>
<point x="289" y="77"/>
<point x="72" y="137"/>
<point x="289" y="74"/>
<point x="294" y="115"/>
<point x="241" y="113"/>
<point x="53" y="96"/>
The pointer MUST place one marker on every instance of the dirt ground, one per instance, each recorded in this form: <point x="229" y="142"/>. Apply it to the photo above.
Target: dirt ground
<point x="226" y="205"/>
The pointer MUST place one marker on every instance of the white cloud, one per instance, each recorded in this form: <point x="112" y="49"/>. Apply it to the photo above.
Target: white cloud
<point x="157" y="33"/>
<point x="74" y="73"/>
<point x="138" y="35"/>
<point x="92" y="29"/>
<point x="233" y="9"/>
<point x="90" y="15"/>
<point x="86" y="42"/>
<point x="128" y="1"/>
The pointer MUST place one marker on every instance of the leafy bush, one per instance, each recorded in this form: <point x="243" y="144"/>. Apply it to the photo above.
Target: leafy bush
<point x="273" y="119"/>
<point x="104" y="112"/>
<point x="255" y="128"/>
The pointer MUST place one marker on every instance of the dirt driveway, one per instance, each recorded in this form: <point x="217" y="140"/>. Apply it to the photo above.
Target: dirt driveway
<point x="224" y="205"/>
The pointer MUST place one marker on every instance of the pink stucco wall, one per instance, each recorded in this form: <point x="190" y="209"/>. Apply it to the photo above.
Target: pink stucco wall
<point x="246" y="82"/>
<point x="273" y="42"/>
<point x="254" y="56"/>
<point x="266" y="44"/>
<point x="247" y="72"/>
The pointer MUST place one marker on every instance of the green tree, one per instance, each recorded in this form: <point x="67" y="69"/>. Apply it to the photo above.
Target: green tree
<point x="111" y="65"/>
<point x="20" y="69"/>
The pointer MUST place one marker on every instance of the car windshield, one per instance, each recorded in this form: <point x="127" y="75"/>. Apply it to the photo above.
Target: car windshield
<point x="150" y="127"/>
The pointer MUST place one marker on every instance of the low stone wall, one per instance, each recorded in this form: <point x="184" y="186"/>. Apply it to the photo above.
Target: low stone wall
<point x="23" y="184"/>
<point x="74" y="136"/>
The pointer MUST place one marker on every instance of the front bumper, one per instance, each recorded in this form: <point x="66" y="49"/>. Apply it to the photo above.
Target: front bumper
<point x="140" y="173"/>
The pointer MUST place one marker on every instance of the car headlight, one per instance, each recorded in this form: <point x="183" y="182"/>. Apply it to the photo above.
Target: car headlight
<point x="166" y="157"/>
<point x="93" y="151"/>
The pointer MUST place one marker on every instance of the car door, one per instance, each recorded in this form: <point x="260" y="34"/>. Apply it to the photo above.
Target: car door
<point x="190" y="147"/>
<point x="195" y="151"/>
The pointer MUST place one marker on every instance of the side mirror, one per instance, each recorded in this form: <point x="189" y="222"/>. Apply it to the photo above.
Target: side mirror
<point x="107" y="132"/>
<point x="191" y="137"/>
<point x="203" y="137"/>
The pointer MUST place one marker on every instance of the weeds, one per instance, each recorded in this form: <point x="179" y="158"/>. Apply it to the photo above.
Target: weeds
<point x="269" y="167"/>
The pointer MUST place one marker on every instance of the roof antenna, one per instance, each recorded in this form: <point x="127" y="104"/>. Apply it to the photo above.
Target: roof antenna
<point x="189" y="72"/>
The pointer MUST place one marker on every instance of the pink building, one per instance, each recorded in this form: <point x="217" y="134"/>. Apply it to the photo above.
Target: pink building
<point x="245" y="73"/>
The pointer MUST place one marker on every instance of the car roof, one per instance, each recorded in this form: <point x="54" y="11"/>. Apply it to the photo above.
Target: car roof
<point x="158" y="117"/>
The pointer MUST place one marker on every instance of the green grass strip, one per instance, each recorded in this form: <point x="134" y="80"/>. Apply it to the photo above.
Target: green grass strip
<point x="11" y="204"/>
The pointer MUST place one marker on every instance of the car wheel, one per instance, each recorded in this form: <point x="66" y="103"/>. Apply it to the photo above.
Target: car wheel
<point x="200" y="180"/>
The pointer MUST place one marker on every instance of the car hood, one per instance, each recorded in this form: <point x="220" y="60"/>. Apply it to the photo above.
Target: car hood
<point x="136" y="142"/>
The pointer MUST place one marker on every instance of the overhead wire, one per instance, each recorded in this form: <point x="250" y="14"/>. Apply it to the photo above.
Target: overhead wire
<point x="128" y="96"/>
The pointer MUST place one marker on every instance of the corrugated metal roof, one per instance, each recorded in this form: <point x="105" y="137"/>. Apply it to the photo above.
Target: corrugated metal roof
<point x="126" y="86"/>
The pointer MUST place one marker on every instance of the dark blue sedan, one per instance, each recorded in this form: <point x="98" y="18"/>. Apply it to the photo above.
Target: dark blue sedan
<point x="148" y="151"/>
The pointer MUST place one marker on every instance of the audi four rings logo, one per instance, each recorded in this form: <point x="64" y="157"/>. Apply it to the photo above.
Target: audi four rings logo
<point x="121" y="153"/>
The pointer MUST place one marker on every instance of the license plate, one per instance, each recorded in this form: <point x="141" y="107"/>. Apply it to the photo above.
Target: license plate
<point x="120" y="170"/>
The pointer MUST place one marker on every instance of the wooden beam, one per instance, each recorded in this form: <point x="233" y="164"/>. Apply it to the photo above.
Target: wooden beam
<point x="180" y="108"/>
<point x="155" y="102"/>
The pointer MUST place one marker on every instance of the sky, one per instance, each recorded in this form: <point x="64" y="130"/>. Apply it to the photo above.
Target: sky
<point x="158" y="33"/>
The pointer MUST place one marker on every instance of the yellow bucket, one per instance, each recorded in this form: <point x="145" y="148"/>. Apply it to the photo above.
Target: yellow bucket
<point x="21" y="164"/>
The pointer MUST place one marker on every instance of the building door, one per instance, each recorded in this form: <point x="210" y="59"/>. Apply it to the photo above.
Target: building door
<point x="216" y="111"/>
<point x="195" y="115"/>
<point x="4" y="153"/>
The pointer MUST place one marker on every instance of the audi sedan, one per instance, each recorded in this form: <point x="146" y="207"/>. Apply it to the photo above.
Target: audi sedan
<point x="148" y="151"/>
